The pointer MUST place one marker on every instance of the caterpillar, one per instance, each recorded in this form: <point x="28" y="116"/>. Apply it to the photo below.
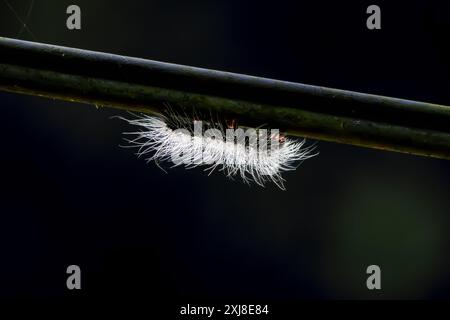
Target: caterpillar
<point x="255" y="155"/>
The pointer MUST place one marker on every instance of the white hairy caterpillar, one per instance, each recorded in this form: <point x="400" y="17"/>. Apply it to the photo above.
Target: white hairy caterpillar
<point x="255" y="155"/>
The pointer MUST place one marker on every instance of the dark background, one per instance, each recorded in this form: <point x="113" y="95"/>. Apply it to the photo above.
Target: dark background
<point x="71" y="195"/>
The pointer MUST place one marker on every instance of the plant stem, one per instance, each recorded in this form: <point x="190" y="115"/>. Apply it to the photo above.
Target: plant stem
<point x="298" y="109"/>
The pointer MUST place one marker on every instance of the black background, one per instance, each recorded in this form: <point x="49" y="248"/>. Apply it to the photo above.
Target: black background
<point x="71" y="195"/>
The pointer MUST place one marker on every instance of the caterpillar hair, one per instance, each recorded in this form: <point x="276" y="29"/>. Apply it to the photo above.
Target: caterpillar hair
<point x="256" y="155"/>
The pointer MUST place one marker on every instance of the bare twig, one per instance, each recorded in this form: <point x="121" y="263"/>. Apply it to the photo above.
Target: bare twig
<point x="145" y="86"/>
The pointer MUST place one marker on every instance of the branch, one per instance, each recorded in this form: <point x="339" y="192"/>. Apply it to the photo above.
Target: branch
<point x="303" y="110"/>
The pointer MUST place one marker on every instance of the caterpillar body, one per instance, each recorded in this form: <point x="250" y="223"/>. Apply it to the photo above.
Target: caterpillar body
<point x="255" y="155"/>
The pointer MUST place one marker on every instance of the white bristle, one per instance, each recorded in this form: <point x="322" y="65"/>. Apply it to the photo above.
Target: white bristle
<point x="159" y="142"/>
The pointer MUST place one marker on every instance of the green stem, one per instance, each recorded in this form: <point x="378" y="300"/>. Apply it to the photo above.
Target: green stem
<point x="146" y="86"/>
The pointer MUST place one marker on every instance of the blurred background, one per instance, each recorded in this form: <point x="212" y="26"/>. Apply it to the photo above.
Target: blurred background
<point x="71" y="195"/>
